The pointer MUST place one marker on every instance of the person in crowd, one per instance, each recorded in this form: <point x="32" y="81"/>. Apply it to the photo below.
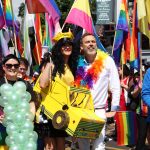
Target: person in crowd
<point x="134" y="91"/>
<point x="1" y="71"/>
<point x="39" y="127"/>
<point x="104" y="39"/>
<point x="63" y="66"/>
<point x="124" y="74"/>
<point x="46" y="59"/>
<point x="23" y="68"/>
<point x="145" y="120"/>
<point x="10" y="66"/>
<point x="24" y="64"/>
<point x="103" y="74"/>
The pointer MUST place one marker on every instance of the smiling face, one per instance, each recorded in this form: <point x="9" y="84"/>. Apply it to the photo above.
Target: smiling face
<point x="66" y="49"/>
<point x="89" y="46"/>
<point x="11" y="69"/>
<point x="22" y="70"/>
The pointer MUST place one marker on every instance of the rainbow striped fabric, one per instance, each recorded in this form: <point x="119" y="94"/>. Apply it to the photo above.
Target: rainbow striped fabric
<point x="126" y="128"/>
<point x="8" y="13"/>
<point x="2" y="20"/>
<point x="122" y="31"/>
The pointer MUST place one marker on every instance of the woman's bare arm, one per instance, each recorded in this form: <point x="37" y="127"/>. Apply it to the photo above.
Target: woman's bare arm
<point x="46" y="75"/>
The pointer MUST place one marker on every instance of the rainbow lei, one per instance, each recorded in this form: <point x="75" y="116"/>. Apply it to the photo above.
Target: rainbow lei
<point x="87" y="77"/>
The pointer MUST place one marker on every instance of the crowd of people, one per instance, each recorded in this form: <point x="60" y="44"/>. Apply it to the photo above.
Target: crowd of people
<point x="113" y="88"/>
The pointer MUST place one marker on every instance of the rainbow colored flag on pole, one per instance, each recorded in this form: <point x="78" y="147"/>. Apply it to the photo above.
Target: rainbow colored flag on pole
<point x="122" y="30"/>
<point x="126" y="128"/>
<point x="8" y="13"/>
<point x="2" y="19"/>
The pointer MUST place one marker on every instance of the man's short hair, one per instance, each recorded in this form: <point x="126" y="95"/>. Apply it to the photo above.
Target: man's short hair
<point x="8" y="57"/>
<point x="84" y="35"/>
<point x="24" y="61"/>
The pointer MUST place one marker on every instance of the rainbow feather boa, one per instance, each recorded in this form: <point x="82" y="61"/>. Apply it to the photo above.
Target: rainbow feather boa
<point x="87" y="77"/>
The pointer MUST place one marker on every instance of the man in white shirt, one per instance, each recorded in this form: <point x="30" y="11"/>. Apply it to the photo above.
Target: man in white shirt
<point x="101" y="69"/>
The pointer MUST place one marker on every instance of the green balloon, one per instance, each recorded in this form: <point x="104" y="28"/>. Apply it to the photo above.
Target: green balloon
<point x="14" y="99"/>
<point x="25" y="105"/>
<point x="33" y="136"/>
<point x="15" y="147"/>
<point x="20" y="138"/>
<point x="29" y="116"/>
<point x="5" y="88"/>
<point x="20" y="86"/>
<point x="9" y="140"/>
<point x="4" y="101"/>
<point x="31" y="145"/>
<point x="19" y="117"/>
<point x="9" y="109"/>
<point x="26" y="96"/>
<point x="28" y="125"/>
<point x="11" y="128"/>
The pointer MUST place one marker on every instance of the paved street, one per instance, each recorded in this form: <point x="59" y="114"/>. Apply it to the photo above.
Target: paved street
<point x="110" y="145"/>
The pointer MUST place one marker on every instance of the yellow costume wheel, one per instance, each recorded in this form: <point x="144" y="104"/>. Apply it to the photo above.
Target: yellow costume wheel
<point x="60" y="120"/>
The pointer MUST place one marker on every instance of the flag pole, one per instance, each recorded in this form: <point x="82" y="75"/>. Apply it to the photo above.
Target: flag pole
<point x="140" y="54"/>
<point x="113" y="42"/>
<point x="14" y="30"/>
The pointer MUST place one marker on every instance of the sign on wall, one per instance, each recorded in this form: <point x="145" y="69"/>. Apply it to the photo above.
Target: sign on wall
<point x="105" y="11"/>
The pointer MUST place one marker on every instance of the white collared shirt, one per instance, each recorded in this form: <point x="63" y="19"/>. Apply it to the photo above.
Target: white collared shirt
<point x="108" y="81"/>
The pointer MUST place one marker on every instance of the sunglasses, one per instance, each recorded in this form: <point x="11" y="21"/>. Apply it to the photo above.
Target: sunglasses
<point x="9" y="66"/>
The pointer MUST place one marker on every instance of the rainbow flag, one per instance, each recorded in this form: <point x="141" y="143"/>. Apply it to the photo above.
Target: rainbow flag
<point x="8" y="12"/>
<point x="80" y="15"/>
<point x="126" y="128"/>
<point x="9" y="16"/>
<point x="122" y="31"/>
<point x="52" y="9"/>
<point x="134" y="35"/>
<point x="2" y="19"/>
<point x="46" y="38"/>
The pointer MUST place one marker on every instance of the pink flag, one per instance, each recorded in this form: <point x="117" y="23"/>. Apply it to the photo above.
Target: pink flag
<point x="80" y="15"/>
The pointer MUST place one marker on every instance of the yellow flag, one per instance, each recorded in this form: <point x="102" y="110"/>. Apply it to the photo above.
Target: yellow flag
<point x="144" y="16"/>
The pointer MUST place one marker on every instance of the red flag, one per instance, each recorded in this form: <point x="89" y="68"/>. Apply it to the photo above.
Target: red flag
<point x="37" y="51"/>
<point x="34" y="6"/>
<point x="19" y="45"/>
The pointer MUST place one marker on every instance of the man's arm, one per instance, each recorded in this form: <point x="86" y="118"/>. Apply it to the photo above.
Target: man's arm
<point x="114" y="86"/>
<point x="146" y="88"/>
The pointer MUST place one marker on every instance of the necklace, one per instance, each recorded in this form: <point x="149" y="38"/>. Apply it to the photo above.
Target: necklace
<point x="85" y="76"/>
